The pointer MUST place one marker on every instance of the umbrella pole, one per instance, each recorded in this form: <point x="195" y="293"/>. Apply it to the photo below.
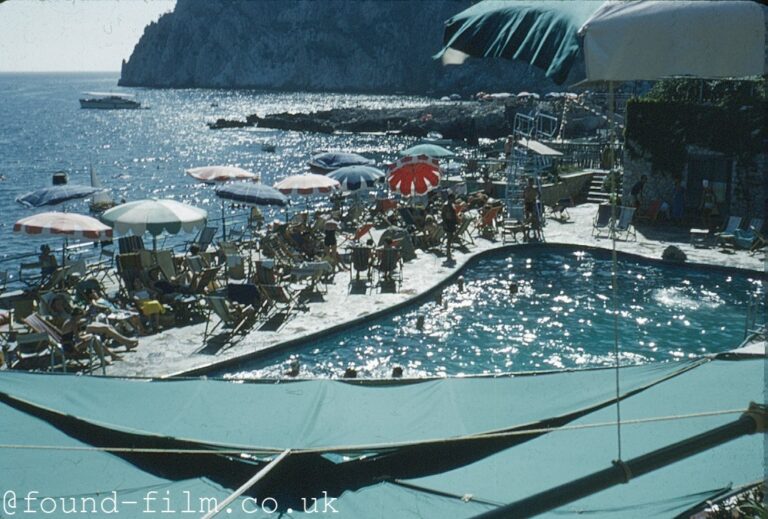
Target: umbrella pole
<point x="154" y="243"/>
<point x="64" y="253"/>
<point x="223" y="224"/>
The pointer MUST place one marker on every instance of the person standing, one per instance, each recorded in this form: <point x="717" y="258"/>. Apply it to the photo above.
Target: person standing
<point x="450" y="223"/>
<point x="637" y="192"/>
<point x="530" y="195"/>
<point x="678" y="201"/>
<point x="708" y="204"/>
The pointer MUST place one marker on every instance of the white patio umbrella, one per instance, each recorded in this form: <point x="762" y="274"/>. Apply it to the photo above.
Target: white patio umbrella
<point x="214" y="174"/>
<point x="63" y="225"/>
<point x="307" y="184"/>
<point x="155" y="217"/>
<point x="219" y="175"/>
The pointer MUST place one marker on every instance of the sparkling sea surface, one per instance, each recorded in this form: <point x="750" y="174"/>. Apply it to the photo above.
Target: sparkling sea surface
<point x="560" y="317"/>
<point x="143" y="153"/>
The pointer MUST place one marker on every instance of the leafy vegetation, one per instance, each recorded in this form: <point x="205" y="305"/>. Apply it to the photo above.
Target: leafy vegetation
<point x="723" y="116"/>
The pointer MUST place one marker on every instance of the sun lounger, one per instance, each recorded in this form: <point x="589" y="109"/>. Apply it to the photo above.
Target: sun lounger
<point x="360" y="262"/>
<point x="234" y="263"/>
<point x="486" y="223"/>
<point x="233" y="316"/>
<point x="82" y="352"/>
<point x="130" y="244"/>
<point x="560" y="209"/>
<point x="32" y="351"/>
<point x="204" y="239"/>
<point x="727" y="235"/>
<point x="602" y="219"/>
<point x="624" y="224"/>
<point x="389" y="265"/>
<point x="279" y="297"/>
<point x="164" y="260"/>
<point x="745" y="238"/>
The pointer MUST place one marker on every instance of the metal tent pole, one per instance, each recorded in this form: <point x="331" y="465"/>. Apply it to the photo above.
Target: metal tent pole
<point x="752" y="421"/>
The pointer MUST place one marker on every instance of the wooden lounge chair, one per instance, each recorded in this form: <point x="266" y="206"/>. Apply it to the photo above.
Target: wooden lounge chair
<point x="82" y="353"/>
<point x="361" y="262"/>
<point x="279" y="298"/>
<point x="389" y="264"/>
<point x="602" y="220"/>
<point x="231" y="315"/>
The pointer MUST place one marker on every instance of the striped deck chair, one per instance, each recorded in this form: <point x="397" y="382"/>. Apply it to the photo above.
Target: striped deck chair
<point x="81" y="354"/>
<point x="129" y="244"/>
<point x="205" y="280"/>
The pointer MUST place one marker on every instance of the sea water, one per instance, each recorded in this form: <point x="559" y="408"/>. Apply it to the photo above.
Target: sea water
<point x="559" y="315"/>
<point x="141" y="154"/>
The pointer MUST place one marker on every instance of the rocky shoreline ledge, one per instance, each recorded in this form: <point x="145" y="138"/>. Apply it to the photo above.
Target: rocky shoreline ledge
<point x="458" y="120"/>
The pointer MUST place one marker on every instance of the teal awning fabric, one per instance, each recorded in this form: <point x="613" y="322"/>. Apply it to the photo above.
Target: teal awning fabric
<point x="541" y="33"/>
<point x="556" y="458"/>
<point x="201" y="406"/>
<point x="306" y="414"/>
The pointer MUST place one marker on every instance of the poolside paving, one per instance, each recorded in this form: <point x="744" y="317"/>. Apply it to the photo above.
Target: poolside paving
<point x="179" y="350"/>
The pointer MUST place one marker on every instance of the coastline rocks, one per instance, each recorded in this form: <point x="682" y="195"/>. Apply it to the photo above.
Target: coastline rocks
<point x="467" y="120"/>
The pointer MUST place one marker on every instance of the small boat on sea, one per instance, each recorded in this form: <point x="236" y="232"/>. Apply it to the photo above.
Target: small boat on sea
<point x="109" y="101"/>
<point x="101" y="200"/>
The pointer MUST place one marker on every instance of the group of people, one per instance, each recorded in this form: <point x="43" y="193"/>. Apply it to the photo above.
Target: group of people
<point x="675" y="210"/>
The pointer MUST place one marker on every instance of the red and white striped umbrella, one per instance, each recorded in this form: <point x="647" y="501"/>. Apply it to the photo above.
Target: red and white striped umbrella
<point x="308" y="184"/>
<point x="64" y="225"/>
<point x="212" y="174"/>
<point x="414" y="175"/>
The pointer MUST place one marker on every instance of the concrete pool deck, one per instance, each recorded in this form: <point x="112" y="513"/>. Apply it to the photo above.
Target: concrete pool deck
<point x="180" y="350"/>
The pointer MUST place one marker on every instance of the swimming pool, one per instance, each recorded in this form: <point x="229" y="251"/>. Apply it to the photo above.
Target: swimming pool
<point x="561" y="316"/>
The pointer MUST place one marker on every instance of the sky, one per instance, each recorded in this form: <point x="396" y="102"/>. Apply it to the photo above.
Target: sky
<point x="73" y="35"/>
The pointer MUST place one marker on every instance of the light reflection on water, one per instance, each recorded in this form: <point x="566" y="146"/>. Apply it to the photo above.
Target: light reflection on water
<point x="560" y="317"/>
<point x="143" y="153"/>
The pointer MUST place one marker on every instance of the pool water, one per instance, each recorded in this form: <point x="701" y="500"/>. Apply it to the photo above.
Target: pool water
<point x="560" y="317"/>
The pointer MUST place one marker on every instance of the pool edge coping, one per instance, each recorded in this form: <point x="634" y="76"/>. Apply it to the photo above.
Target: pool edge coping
<point x="430" y="292"/>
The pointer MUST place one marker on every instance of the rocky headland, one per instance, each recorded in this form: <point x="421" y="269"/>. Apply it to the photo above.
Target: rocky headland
<point x="378" y="46"/>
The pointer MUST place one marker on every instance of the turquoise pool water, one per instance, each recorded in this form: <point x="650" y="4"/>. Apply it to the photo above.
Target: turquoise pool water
<point x="560" y="317"/>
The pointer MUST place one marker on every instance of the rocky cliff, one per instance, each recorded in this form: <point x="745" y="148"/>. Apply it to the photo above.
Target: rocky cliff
<point x="319" y="45"/>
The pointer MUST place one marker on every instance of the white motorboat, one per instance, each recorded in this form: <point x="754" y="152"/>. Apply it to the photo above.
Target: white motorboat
<point x="109" y="101"/>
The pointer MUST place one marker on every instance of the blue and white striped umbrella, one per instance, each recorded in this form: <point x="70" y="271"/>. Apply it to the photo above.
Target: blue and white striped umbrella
<point x="354" y="178"/>
<point x="53" y="195"/>
<point x="252" y="194"/>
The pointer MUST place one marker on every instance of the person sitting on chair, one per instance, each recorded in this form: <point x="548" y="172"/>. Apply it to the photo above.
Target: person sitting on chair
<point x="637" y="191"/>
<point x="48" y="263"/>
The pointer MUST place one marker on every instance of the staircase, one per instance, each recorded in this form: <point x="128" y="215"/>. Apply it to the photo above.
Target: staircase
<point x="596" y="193"/>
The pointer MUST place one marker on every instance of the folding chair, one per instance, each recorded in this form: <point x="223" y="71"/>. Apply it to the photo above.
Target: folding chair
<point x="561" y="209"/>
<point x="235" y="317"/>
<point x="602" y="220"/>
<point x="361" y="262"/>
<point x="624" y="225"/>
<point x="129" y="244"/>
<point x="727" y="235"/>
<point x="32" y="351"/>
<point x="389" y="265"/>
